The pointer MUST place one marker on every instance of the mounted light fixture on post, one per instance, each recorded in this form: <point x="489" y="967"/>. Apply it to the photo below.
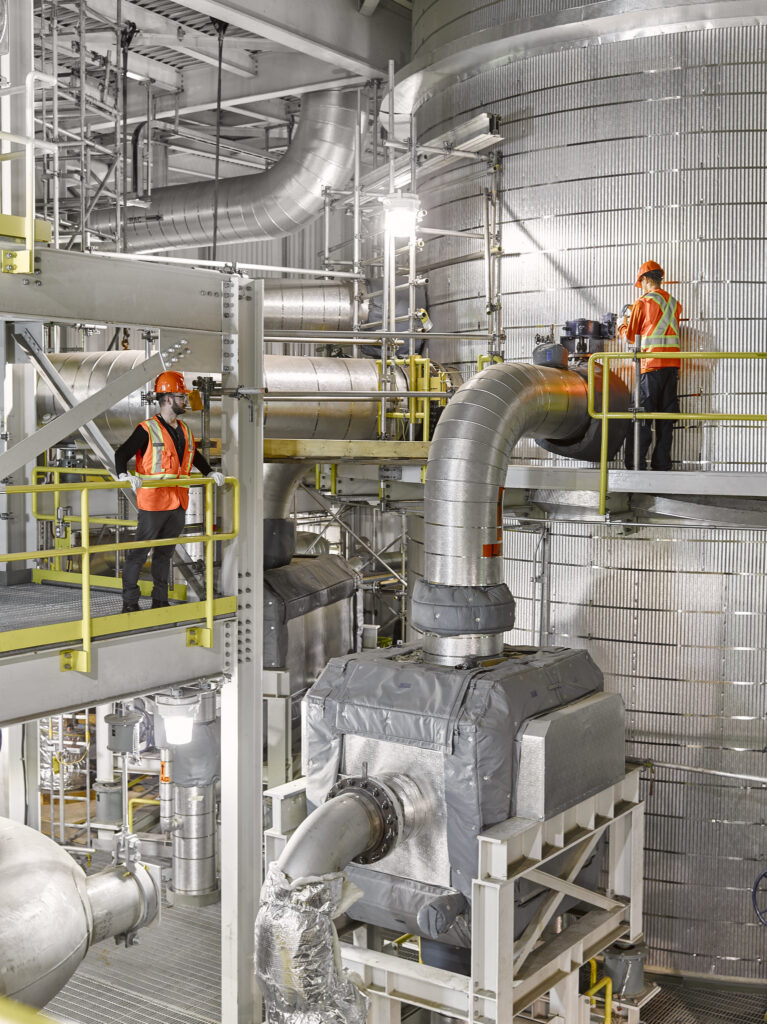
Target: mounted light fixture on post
<point x="178" y="712"/>
<point x="401" y="214"/>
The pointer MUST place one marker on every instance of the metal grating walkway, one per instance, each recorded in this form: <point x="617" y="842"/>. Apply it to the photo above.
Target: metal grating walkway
<point x="682" y="1002"/>
<point x="40" y="604"/>
<point x="173" y="976"/>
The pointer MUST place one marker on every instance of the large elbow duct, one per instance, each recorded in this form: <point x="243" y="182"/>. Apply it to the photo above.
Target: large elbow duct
<point x="462" y="604"/>
<point x="52" y="912"/>
<point x="254" y="207"/>
<point x="298" y="964"/>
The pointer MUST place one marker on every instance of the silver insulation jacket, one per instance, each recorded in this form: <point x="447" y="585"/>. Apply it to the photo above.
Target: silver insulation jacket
<point x="88" y="372"/>
<point x="298" y="961"/>
<point x="253" y="207"/>
<point x="470" y="453"/>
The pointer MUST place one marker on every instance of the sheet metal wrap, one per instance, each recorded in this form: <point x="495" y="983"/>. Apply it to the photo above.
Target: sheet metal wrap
<point x="254" y="207"/>
<point x="298" y="962"/>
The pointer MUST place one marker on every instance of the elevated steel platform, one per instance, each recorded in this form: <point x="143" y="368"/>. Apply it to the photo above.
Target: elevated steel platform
<point x="131" y="654"/>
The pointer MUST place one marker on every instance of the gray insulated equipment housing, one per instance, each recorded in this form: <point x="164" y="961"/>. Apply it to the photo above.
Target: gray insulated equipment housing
<point x="529" y="733"/>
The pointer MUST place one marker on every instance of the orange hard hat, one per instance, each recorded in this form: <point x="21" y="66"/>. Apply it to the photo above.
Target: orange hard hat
<point x="645" y="269"/>
<point x="171" y="382"/>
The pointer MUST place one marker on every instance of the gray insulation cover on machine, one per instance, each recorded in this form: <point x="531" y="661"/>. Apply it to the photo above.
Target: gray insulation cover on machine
<point x="469" y="715"/>
<point x="197" y="763"/>
<point x="296" y="589"/>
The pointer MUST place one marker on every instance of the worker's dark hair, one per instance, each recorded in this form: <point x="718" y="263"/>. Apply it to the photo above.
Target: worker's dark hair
<point x="656" y="276"/>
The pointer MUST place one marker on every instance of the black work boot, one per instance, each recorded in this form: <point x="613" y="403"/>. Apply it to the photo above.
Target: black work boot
<point x="159" y="604"/>
<point x="131" y="607"/>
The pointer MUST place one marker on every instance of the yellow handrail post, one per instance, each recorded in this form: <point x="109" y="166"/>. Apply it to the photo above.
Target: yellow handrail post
<point x="202" y="636"/>
<point x="604" y="450"/>
<point x="607" y="984"/>
<point x="80" y="661"/>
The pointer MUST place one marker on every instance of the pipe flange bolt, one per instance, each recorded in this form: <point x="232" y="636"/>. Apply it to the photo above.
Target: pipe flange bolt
<point x="384" y="803"/>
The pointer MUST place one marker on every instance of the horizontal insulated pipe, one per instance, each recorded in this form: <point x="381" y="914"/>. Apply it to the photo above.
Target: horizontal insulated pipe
<point x="462" y="604"/>
<point x="51" y="913"/>
<point x="253" y="207"/>
<point x="88" y="372"/>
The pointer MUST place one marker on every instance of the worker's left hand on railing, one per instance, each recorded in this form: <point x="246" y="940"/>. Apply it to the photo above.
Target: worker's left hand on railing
<point x="217" y="478"/>
<point x="132" y="479"/>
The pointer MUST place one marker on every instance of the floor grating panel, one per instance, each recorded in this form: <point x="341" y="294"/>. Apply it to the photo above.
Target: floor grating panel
<point x="686" y="1003"/>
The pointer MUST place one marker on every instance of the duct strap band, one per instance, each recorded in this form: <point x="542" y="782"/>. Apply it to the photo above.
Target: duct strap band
<point x="458" y="611"/>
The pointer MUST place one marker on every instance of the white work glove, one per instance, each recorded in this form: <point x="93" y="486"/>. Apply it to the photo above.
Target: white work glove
<point x="132" y="479"/>
<point x="217" y="478"/>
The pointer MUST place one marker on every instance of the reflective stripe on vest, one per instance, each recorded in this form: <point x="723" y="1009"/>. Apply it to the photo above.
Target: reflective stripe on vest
<point x="156" y="450"/>
<point x="658" y="338"/>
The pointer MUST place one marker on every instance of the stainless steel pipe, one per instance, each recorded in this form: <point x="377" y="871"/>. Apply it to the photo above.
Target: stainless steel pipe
<point x="52" y="913"/>
<point x="87" y="372"/>
<point x="470" y="453"/>
<point x="253" y="207"/>
<point x="462" y="604"/>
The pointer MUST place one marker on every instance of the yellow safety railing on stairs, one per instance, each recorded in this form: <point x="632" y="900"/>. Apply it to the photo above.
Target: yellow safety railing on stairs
<point x="605" y="415"/>
<point x="87" y="628"/>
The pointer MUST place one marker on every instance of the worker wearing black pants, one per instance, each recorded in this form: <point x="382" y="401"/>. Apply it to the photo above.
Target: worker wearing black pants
<point x="658" y="390"/>
<point x="152" y="526"/>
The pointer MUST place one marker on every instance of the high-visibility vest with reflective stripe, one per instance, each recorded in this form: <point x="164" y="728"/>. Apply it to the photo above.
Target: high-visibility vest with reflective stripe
<point x="664" y="334"/>
<point x="160" y="459"/>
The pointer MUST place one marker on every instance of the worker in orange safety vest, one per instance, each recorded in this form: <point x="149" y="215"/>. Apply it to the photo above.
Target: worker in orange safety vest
<point x="655" y="319"/>
<point x="163" y="447"/>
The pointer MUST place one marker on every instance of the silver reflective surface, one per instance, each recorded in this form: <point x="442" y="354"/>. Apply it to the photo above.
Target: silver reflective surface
<point x="422" y="856"/>
<point x="88" y="372"/>
<point x="468" y="458"/>
<point x="255" y="206"/>
<point x="45" y="927"/>
<point x="675" y="619"/>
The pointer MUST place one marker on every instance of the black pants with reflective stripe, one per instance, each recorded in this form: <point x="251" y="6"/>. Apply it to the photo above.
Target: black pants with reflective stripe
<point x="152" y="526"/>
<point x="658" y="390"/>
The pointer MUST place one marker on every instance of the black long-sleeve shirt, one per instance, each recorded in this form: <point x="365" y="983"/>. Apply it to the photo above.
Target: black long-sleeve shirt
<point x="138" y="443"/>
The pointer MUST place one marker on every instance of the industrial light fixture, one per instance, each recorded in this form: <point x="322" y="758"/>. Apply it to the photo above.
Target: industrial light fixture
<point x="401" y="213"/>
<point x="178" y="713"/>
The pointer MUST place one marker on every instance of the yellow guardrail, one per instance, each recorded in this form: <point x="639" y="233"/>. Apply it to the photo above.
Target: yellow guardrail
<point x="605" y="415"/>
<point x="139" y="801"/>
<point x="57" y="574"/>
<point x="80" y="660"/>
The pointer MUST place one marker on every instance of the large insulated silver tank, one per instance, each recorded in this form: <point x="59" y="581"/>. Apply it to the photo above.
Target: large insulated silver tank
<point x="631" y="135"/>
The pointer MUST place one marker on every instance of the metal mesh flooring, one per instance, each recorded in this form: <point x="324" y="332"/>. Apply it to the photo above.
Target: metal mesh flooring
<point x="173" y="976"/>
<point x="686" y="1003"/>
<point x="40" y="604"/>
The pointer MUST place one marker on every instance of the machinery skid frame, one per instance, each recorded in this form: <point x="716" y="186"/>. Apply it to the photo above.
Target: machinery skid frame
<point x="508" y="974"/>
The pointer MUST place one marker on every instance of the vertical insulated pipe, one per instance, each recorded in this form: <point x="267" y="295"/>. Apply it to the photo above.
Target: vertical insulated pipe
<point x="462" y="604"/>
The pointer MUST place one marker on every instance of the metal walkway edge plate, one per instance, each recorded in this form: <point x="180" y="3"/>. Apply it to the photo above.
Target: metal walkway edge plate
<point x="32" y="684"/>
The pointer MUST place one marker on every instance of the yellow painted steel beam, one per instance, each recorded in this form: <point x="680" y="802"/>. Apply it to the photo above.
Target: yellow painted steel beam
<point x="13" y="227"/>
<point x="178" y="592"/>
<point x="108" y="625"/>
<point x="285" y="449"/>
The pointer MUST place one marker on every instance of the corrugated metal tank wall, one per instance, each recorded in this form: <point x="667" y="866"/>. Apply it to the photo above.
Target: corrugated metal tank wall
<point x="646" y="147"/>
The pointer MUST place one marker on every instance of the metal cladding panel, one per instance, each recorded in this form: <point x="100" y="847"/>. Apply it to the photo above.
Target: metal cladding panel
<point x="615" y="153"/>
<point x="675" y="618"/>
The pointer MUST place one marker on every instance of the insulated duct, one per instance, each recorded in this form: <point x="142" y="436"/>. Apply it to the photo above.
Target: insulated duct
<point x="52" y="913"/>
<point x="297" y="958"/>
<point x="88" y="372"/>
<point x="462" y="603"/>
<point x="254" y="207"/>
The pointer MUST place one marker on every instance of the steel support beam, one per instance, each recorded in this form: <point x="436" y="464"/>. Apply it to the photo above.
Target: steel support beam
<point x="325" y="29"/>
<point x="32" y="684"/>
<point x="175" y="36"/>
<point x="79" y="416"/>
<point x="241" y="696"/>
